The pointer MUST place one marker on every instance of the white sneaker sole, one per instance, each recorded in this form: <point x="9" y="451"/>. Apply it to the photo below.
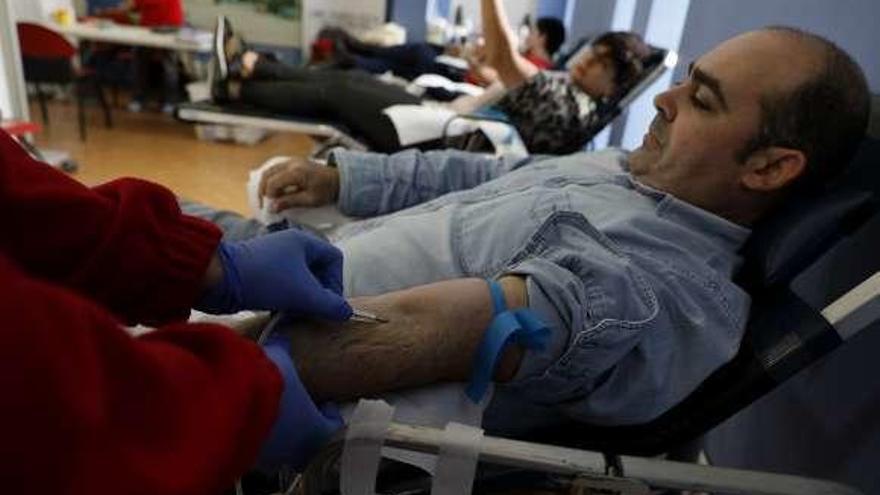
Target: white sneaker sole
<point x="220" y="46"/>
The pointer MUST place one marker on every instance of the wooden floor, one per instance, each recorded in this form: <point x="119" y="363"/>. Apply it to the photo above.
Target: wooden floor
<point x="155" y="147"/>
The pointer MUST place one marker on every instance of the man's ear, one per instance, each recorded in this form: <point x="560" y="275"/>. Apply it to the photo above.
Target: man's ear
<point x="773" y="168"/>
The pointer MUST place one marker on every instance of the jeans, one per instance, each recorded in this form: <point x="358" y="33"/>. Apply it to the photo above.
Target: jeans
<point x="354" y="99"/>
<point x="408" y="61"/>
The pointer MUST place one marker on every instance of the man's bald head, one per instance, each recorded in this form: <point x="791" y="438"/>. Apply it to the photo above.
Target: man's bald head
<point x="823" y="111"/>
<point x="757" y="114"/>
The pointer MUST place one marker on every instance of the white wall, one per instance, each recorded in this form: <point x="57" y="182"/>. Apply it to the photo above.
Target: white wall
<point x="665" y="26"/>
<point x="516" y="10"/>
<point x="6" y="106"/>
<point x="37" y="10"/>
<point x="624" y="13"/>
<point x="256" y="27"/>
<point x="13" y="100"/>
<point x="13" y="97"/>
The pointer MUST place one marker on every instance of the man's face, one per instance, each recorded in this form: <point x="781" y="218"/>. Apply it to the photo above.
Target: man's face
<point x="691" y="146"/>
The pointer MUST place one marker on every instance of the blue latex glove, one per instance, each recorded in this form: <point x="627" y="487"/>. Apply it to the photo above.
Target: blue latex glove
<point x="290" y="271"/>
<point x="301" y="428"/>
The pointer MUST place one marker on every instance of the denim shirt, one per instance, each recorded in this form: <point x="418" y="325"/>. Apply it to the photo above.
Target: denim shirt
<point x="635" y="284"/>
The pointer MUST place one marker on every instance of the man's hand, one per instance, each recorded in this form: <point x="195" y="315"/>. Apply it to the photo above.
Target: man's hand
<point x="299" y="182"/>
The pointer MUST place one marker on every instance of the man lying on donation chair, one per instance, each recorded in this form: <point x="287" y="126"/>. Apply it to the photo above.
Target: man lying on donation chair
<point x="627" y="260"/>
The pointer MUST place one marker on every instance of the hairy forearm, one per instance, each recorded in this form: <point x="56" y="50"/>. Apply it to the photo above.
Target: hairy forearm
<point x="432" y="335"/>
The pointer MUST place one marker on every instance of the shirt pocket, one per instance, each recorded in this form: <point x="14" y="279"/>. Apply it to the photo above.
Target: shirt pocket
<point x="615" y="307"/>
<point x="488" y="234"/>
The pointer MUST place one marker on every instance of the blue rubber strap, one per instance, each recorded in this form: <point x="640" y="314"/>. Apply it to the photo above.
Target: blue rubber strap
<point x="498" y="334"/>
<point x="535" y="333"/>
<point x="499" y="305"/>
<point x="520" y="326"/>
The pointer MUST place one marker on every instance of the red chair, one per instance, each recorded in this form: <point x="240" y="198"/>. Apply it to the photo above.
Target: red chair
<point x="48" y="58"/>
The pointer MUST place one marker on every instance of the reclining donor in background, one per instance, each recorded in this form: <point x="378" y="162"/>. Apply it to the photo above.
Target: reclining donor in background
<point x="553" y="114"/>
<point x="627" y="258"/>
<point x="411" y="60"/>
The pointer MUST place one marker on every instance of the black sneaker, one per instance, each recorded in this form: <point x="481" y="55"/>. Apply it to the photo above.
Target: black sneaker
<point x="219" y="68"/>
<point x="226" y="63"/>
<point x="221" y="64"/>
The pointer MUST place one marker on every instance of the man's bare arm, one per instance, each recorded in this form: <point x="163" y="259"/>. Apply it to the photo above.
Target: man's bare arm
<point x="432" y="335"/>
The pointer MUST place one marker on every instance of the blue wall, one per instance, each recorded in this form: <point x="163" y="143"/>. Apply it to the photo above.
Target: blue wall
<point x="850" y="23"/>
<point x="443" y="8"/>
<point x="552" y="8"/>
<point x="411" y="15"/>
<point x="590" y="17"/>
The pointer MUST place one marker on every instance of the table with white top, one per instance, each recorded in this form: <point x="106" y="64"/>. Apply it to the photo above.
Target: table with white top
<point x="184" y="39"/>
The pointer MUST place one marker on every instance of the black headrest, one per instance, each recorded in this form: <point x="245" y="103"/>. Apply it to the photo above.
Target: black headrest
<point x="790" y="239"/>
<point x="793" y="237"/>
<point x="654" y="58"/>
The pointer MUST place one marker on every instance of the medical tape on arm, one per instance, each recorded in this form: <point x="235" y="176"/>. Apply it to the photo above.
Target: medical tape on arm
<point x="520" y="326"/>
<point x="457" y="462"/>
<point x="362" y="452"/>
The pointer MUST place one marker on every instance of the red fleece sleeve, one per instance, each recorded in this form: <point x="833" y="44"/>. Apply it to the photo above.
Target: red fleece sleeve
<point x="125" y="244"/>
<point x="89" y="409"/>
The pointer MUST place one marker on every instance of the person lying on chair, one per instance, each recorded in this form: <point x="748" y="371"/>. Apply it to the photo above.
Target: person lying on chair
<point x="411" y="60"/>
<point x="553" y="114"/>
<point x="630" y="269"/>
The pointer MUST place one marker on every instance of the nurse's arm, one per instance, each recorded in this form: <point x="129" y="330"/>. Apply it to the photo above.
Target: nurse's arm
<point x="431" y="336"/>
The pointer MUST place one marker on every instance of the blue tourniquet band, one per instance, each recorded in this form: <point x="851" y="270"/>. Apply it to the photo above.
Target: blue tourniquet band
<point x="521" y="326"/>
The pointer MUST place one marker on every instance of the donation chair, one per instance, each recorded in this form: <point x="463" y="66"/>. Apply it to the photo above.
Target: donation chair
<point x="655" y="64"/>
<point x="207" y="112"/>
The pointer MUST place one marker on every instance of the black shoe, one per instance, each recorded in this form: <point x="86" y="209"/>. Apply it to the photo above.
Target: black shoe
<point x="221" y="64"/>
<point x="228" y="49"/>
